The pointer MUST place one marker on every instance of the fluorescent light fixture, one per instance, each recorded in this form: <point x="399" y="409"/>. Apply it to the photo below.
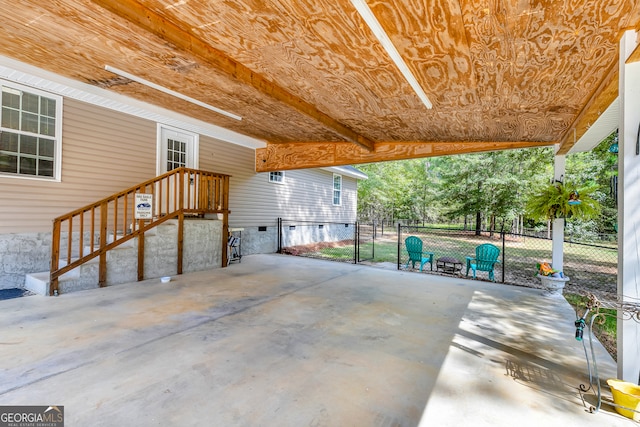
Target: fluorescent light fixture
<point x="365" y="12"/>
<point x="170" y="92"/>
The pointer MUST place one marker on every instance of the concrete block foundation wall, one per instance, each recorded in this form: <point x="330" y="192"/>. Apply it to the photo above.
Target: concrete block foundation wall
<point x="24" y="253"/>
<point x="21" y="254"/>
<point x="305" y="234"/>
<point x="264" y="240"/>
<point x="202" y="251"/>
<point x="258" y="240"/>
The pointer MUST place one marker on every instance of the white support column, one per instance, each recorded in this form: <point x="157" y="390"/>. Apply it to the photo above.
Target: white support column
<point x="629" y="209"/>
<point x="557" y="244"/>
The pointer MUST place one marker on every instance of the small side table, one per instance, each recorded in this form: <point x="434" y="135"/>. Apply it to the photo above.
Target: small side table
<point x="448" y="265"/>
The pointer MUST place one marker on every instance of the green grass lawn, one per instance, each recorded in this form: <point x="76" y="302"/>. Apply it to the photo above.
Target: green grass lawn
<point x="383" y="252"/>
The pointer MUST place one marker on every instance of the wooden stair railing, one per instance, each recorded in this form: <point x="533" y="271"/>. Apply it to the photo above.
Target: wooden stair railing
<point x="87" y="230"/>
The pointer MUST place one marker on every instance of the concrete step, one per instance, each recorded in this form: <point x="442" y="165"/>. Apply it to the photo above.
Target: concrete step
<point x="82" y="277"/>
<point x="38" y="283"/>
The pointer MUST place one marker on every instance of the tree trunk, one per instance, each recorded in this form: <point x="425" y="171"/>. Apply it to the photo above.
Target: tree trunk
<point x="478" y="223"/>
<point x="520" y="224"/>
<point x="492" y="225"/>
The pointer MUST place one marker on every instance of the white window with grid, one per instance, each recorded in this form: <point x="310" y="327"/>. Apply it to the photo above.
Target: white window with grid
<point x="30" y="132"/>
<point x="337" y="189"/>
<point x="176" y="154"/>
<point x="176" y="148"/>
<point x="277" y="177"/>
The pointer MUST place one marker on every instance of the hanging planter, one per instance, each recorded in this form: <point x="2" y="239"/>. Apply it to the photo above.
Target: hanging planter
<point x="560" y="200"/>
<point x="574" y="198"/>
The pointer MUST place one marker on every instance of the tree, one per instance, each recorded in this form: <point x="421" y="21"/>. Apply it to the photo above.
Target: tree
<point x="402" y="189"/>
<point x="491" y="187"/>
<point x="598" y="167"/>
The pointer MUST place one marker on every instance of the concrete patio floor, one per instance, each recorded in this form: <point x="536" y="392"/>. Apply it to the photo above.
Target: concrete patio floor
<point x="287" y="341"/>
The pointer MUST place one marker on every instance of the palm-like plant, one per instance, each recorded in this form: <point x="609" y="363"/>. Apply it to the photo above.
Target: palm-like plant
<point x="552" y="201"/>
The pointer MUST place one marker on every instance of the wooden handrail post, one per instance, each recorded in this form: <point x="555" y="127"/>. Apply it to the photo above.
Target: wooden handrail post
<point x="55" y="258"/>
<point x="225" y="221"/>
<point x="69" y="239"/>
<point x="184" y="186"/>
<point x="180" y="242"/>
<point x="140" y="250"/>
<point x="102" y="266"/>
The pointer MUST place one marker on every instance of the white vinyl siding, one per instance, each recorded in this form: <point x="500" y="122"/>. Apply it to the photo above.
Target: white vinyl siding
<point x="254" y="201"/>
<point x="104" y="152"/>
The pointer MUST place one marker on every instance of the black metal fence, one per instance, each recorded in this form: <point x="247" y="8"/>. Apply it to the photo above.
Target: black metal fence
<point x="336" y="241"/>
<point x="591" y="266"/>
<point x="366" y="242"/>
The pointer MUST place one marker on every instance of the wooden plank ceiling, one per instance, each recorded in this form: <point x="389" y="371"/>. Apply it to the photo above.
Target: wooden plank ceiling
<point x="310" y="78"/>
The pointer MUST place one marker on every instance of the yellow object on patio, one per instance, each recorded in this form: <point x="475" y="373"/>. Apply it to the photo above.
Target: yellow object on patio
<point x="627" y="395"/>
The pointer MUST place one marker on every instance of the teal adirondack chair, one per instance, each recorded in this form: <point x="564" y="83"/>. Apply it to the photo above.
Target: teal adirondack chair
<point x="414" y="248"/>
<point x="485" y="260"/>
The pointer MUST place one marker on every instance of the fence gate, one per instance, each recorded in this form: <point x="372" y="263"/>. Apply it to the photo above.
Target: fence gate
<point x="365" y="242"/>
<point x="334" y="241"/>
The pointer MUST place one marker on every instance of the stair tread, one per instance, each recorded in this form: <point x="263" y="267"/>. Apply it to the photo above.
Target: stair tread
<point x="46" y="275"/>
<point x="38" y="275"/>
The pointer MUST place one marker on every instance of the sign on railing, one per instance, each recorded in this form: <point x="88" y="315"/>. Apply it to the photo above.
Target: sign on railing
<point x="144" y="204"/>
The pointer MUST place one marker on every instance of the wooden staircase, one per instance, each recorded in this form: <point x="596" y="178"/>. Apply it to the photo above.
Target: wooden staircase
<point x="87" y="234"/>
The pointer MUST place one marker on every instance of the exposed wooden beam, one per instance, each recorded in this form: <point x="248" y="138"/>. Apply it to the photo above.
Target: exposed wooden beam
<point x="178" y="34"/>
<point x="301" y="155"/>
<point x="603" y="96"/>
<point x="632" y="19"/>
